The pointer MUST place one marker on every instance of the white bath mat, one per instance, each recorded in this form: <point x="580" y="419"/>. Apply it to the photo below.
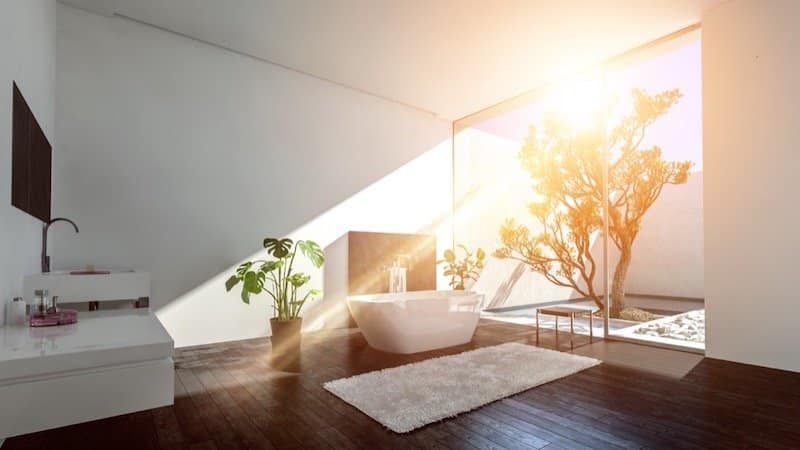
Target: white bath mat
<point x="408" y="397"/>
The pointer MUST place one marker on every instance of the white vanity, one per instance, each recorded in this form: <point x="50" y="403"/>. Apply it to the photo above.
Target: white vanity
<point x="111" y="362"/>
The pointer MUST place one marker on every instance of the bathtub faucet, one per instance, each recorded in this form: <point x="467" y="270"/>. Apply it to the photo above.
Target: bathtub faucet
<point x="397" y="274"/>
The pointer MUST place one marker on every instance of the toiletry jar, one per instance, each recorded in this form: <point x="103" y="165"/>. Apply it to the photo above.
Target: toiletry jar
<point x="15" y="312"/>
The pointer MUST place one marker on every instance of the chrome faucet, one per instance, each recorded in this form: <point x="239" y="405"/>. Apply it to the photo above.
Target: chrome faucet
<point x="45" y="229"/>
<point x="398" y="272"/>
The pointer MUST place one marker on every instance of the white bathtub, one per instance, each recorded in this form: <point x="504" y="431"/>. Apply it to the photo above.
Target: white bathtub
<point x="417" y="321"/>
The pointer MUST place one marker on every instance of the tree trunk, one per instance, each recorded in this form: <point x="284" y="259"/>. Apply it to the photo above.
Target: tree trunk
<point x="618" y="283"/>
<point x="598" y="301"/>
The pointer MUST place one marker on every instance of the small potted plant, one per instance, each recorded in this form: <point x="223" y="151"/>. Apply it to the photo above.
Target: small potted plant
<point x="278" y="279"/>
<point x="462" y="270"/>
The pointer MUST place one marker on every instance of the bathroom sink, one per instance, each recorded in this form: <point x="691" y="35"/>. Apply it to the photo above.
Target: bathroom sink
<point x="70" y="288"/>
<point x="87" y="272"/>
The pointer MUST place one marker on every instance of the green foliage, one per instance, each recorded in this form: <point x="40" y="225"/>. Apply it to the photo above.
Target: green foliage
<point x="277" y="278"/>
<point x="461" y="270"/>
<point x="278" y="248"/>
<point x="313" y="252"/>
<point x="566" y="166"/>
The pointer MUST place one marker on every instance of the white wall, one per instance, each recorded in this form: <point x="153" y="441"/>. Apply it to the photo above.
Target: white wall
<point x="668" y="252"/>
<point x="179" y="158"/>
<point x="751" y="58"/>
<point x="27" y="55"/>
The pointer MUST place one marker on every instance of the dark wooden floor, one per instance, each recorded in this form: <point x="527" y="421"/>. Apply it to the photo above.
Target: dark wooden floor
<point x="228" y="398"/>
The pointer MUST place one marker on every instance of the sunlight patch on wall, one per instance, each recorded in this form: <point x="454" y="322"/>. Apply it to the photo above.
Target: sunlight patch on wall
<point x="415" y="198"/>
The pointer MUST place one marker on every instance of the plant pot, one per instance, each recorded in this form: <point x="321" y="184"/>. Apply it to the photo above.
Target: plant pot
<point x="468" y="283"/>
<point x="286" y="339"/>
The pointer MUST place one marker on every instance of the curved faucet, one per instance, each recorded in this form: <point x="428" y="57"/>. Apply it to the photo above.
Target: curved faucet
<point x="45" y="229"/>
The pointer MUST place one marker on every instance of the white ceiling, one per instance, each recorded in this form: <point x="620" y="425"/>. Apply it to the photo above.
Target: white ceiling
<point x="449" y="57"/>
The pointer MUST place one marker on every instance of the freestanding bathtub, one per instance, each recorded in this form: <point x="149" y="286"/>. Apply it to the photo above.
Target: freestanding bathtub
<point x="418" y="321"/>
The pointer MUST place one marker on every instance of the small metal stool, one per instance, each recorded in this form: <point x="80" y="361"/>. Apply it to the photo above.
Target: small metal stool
<point x="565" y="311"/>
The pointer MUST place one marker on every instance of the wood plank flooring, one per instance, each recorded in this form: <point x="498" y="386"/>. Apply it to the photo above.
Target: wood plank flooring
<point x="227" y="397"/>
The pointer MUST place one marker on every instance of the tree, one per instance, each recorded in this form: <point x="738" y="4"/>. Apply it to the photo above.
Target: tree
<point x="566" y="166"/>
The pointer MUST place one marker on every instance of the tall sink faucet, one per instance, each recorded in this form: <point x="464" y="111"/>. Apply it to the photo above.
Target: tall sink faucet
<point x="45" y="229"/>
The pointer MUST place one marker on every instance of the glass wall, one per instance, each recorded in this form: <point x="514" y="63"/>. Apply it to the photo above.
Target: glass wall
<point x="660" y="272"/>
<point x="501" y="159"/>
<point x="538" y="179"/>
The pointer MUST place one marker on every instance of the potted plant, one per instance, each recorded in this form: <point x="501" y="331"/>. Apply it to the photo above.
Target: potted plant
<point x="462" y="270"/>
<point x="278" y="279"/>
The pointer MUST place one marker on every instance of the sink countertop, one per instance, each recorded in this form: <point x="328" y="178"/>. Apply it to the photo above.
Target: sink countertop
<point x="100" y="338"/>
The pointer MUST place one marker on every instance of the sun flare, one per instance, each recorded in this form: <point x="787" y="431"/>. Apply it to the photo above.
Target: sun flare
<point x="581" y="101"/>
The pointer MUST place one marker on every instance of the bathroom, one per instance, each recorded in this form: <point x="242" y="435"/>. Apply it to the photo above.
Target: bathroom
<point x="358" y="224"/>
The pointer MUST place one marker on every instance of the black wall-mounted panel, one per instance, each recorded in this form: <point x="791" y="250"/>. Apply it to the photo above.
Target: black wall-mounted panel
<point x="31" y="165"/>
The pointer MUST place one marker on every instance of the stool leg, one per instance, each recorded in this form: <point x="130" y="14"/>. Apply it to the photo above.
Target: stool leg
<point x="571" y="330"/>
<point x="537" y="326"/>
<point x="591" y="327"/>
<point x="556" y="332"/>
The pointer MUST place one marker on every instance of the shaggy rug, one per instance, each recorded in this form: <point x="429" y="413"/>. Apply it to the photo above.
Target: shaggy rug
<point x="408" y="397"/>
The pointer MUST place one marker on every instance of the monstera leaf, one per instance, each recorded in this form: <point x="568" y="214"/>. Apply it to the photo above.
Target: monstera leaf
<point x="269" y="266"/>
<point x="313" y="252"/>
<point x="242" y="269"/>
<point x="237" y="276"/>
<point x="231" y="282"/>
<point x="278" y="248"/>
<point x="298" y="279"/>
<point x="253" y="284"/>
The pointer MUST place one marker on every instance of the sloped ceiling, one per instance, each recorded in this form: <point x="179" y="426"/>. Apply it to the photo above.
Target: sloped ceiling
<point x="449" y="57"/>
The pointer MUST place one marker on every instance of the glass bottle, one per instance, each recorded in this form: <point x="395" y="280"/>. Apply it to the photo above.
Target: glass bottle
<point x="41" y="301"/>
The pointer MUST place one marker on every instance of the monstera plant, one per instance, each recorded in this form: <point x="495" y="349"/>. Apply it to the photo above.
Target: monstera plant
<point x="276" y="276"/>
